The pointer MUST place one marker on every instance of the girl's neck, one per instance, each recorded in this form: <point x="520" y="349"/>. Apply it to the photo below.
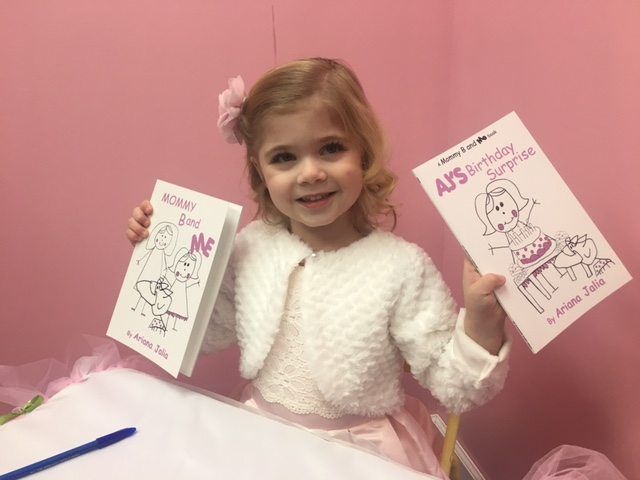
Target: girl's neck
<point x="327" y="238"/>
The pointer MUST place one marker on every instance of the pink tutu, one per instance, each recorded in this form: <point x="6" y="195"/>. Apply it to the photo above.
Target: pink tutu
<point x="568" y="462"/>
<point x="85" y="354"/>
<point x="405" y="436"/>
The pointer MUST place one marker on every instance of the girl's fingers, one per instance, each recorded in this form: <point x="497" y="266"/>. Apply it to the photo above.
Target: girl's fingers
<point x="489" y="282"/>
<point x="484" y="284"/>
<point x="146" y="207"/>
<point x="133" y="237"/>
<point x="140" y="217"/>
<point x="138" y="222"/>
<point x="469" y="275"/>
<point x="135" y="230"/>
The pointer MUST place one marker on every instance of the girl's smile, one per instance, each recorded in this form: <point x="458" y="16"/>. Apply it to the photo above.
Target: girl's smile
<point x="316" y="201"/>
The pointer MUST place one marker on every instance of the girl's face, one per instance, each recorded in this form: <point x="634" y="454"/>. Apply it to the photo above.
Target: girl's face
<point x="504" y="213"/>
<point x="312" y="170"/>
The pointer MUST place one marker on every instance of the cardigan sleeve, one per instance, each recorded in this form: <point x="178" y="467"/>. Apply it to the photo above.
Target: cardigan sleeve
<point x="221" y="331"/>
<point x="429" y="332"/>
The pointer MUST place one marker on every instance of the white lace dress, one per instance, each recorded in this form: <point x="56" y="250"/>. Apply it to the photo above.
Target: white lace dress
<point x="285" y="377"/>
<point x="285" y="387"/>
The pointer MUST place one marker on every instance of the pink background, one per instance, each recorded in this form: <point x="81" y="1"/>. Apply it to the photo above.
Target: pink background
<point x="98" y="99"/>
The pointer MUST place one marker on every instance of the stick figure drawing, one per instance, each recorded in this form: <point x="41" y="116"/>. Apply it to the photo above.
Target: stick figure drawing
<point x="158" y="294"/>
<point x="185" y="275"/>
<point x="581" y="250"/>
<point x="540" y="261"/>
<point x="503" y="209"/>
<point x="168" y="296"/>
<point x="159" y="246"/>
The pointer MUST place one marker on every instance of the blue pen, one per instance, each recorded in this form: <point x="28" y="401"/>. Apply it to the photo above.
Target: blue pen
<point x="69" y="454"/>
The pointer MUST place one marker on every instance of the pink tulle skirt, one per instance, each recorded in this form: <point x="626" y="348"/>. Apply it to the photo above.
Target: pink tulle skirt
<point x="405" y="436"/>
<point x="569" y="462"/>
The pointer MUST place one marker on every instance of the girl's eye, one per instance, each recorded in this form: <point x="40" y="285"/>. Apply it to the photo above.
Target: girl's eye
<point x="332" y="148"/>
<point x="282" y="157"/>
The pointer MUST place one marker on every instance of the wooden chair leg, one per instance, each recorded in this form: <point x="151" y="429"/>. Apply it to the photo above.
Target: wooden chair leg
<point x="456" y="468"/>
<point x="448" y="447"/>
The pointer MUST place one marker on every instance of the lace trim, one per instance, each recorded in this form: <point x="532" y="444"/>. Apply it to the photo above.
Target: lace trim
<point x="285" y="377"/>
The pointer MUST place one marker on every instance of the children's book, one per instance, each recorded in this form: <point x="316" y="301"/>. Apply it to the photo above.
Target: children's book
<point x="174" y="276"/>
<point x="514" y="215"/>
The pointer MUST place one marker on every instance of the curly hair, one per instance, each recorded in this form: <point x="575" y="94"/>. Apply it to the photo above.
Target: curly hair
<point x="280" y="91"/>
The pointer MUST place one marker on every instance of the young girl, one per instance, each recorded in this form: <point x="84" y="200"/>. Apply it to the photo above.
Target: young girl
<point x="326" y="308"/>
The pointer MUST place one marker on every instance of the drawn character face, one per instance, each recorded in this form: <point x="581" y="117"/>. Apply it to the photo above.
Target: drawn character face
<point x="163" y="239"/>
<point x="184" y="268"/>
<point x="503" y="212"/>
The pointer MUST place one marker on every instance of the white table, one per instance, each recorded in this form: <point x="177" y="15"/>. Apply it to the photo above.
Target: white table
<point x="182" y="434"/>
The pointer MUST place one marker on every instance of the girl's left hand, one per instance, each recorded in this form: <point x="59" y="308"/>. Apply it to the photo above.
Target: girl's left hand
<point x="484" y="319"/>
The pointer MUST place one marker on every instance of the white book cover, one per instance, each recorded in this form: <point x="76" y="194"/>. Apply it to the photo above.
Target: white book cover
<point x="174" y="276"/>
<point x="514" y="215"/>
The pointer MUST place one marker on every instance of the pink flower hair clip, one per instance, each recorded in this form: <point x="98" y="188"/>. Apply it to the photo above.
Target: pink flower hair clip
<point x="229" y="105"/>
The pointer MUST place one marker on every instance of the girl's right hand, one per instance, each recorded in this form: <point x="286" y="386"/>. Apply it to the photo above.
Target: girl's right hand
<point x="138" y="222"/>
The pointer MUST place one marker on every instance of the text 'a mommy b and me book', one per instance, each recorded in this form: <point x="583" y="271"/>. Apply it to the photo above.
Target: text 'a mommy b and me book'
<point x="514" y="215"/>
<point x="174" y="277"/>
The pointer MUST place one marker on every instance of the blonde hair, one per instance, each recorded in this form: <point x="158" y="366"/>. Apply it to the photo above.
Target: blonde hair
<point x="280" y="91"/>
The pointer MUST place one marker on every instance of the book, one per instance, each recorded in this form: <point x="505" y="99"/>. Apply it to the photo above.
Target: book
<point x="173" y="278"/>
<point x="514" y="215"/>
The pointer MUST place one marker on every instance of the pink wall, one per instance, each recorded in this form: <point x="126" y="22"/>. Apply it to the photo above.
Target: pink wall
<point x="571" y="70"/>
<point x="97" y="99"/>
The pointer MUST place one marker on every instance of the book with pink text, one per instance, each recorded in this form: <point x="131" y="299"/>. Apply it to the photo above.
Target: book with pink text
<point x="514" y="215"/>
<point x="174" y="276"/>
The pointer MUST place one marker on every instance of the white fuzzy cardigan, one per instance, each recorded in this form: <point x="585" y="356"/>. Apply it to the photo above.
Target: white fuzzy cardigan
<point x="367" y="308"/>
